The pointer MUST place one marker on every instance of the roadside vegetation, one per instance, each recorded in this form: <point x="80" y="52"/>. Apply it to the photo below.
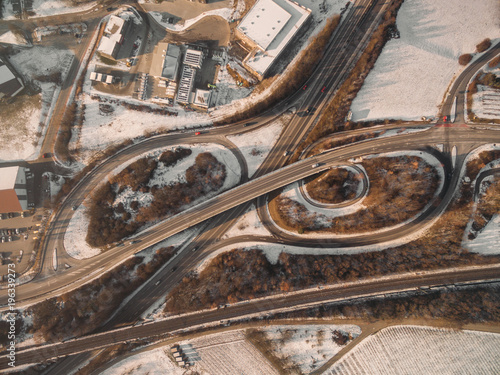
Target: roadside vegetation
<point x="81" y="311"/>
<point x="400" y="187"/>
<point x="333" y="186"/>
<point x="475" y="304"/>
<point x="111" y="219"/>
<point x="294" y="78"/>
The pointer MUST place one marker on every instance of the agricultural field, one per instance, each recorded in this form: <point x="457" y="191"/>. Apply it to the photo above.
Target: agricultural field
<point x="227" y="353"/>
<point x="422" y="350"/>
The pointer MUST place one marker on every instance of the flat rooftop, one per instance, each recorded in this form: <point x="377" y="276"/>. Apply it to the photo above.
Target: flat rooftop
<point x="262" y="60"/>
<point x="264" y="21"/>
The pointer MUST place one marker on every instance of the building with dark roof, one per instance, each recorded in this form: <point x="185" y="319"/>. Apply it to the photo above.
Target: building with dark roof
<point x="10" y="84"/>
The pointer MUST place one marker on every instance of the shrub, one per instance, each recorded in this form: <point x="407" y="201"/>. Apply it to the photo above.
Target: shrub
<point x="465" y="59"/>
<point x="484" y="45"/>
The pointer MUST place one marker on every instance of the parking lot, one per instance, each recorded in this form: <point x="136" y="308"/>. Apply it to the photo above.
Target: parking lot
<point x="17" y="236"/>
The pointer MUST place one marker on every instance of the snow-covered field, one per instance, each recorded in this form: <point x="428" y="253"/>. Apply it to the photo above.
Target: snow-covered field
<point x="309" y="346"/>
<point x="248" y="223"/>
<point x="422" y="350"/>
<point x="32" y="63"/>
<point x="43" y="8"/>
<point x="256" y="145"/>
<point x="152" y="362"/>
<point x="413" y="73"/>
<point x="74" y="240"/>
<point x="487" y="102"/>
<point x="226" y="353"/>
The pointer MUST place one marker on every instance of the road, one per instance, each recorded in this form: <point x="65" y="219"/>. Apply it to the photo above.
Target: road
<point x="262" y="307"/>
<point x="332" y="71"/>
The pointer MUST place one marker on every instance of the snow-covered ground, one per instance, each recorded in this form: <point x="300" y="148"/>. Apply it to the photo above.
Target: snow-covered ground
<point x="487" y="241"/>
<point x="422" y="350"/>
<point x="309" y="346"/>
<point x="226" y="353"/>
<point x="256" y="145"/>
<point x="74" y="240"/>
<point x="151" y="362"/>
<point x="413" y="73"/>
<point x="486" y="102"/>
<point x="32" y="63"/>
<point x="248" y="223"/>
<point x="44" y="8"/>
<point x="222" y="12"/>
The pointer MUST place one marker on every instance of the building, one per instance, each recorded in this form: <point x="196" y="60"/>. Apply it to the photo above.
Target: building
<point x="268" y="28"/>
<point x="186" y="84"/>
<point x="193" y="58"/>
<point x="13" y="190"/>
<point x="202" y="98"/>
<point x="10" y="85"/>
<point x="113" y="37"/>
<point x="170" y="64"/>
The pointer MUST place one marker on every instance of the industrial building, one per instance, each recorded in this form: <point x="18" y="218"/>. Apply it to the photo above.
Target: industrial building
<point x="13" y="190"/>
<point x="113" y="37"/>
<point x="268" y="28"/>
<point x="10" y="84"/>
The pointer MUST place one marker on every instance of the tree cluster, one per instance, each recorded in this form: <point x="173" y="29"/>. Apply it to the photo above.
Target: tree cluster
<point x="110" y="222"/>
<point x="83" y="310"/>
<point x="334" y="186"/>
<point x="460" y="306"/>
<point x="247" y="274"/>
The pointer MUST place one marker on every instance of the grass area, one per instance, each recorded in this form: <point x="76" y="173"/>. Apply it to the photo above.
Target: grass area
<point x="17" y="114"/>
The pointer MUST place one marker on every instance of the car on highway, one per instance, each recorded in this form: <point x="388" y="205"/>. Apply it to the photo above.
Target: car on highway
<point x="286" y="153"/>
<point x="310" y="110"/>
<point x="305" y="87"/>
<point x="323" y="89"/>
<point x="159" y="281"/>
<point x="445" y="119"/>
<point x="197" y="133"/>
<point x="46" y="155"/>
<point x="316" y="165"/>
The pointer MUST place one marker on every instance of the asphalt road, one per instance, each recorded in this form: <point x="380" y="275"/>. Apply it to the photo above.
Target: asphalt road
<point x="263" y="307"/>
<point x="331" y="71"/>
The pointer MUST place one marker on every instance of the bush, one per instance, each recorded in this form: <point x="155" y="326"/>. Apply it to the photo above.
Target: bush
<point x="465" y="59"/>
<point x="494" y="62"/>
<point x="484" y="45"/>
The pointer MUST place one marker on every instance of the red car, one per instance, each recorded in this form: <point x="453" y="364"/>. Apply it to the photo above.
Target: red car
<point x="323" y="89"/>
<point x="197" y="133"/>
<point x="303" y="88"/>
<point x="445" y="119"/>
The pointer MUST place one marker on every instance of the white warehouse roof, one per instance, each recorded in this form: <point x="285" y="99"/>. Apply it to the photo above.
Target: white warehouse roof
<point x="264" y="21"/>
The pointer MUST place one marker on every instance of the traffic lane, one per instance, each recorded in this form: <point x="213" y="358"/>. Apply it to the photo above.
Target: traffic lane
<point x="257" y="187"/>
<point x="264" y="306"/>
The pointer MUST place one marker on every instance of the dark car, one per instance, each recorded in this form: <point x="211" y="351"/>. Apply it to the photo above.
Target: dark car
<point x="310" y="109"/>
<point x="46" y="155"/>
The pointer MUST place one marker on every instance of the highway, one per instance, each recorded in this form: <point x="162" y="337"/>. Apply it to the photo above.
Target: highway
<point x="345" y="46"/>
<point x="262" y="307"/>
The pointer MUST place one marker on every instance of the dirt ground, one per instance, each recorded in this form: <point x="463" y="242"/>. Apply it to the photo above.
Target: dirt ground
<point x="185" y="9"/>
<point x="211" y="28"/>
